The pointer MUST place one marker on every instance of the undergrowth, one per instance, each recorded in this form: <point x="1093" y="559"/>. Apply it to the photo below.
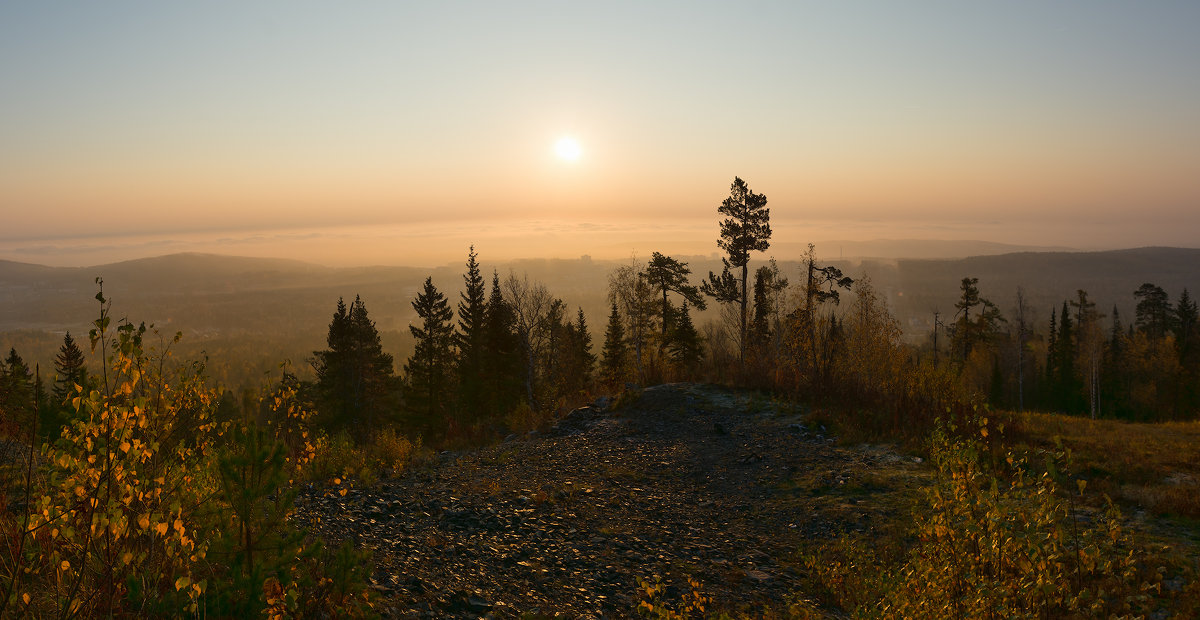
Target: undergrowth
<point x="998" y="536"/>
<point x="148" y="506"/>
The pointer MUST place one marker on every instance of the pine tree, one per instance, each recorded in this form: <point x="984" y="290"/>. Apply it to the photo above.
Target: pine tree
<point x="615" y="355"/>
<point x="1154" y="316"/>
<point x="746" y="228"/>
<point x="471" y="339"/>
<point x="428" y="371"/>
<point x="668" y="275"/>
<point x="70" y="366"/>
<point x="964" y="328"/>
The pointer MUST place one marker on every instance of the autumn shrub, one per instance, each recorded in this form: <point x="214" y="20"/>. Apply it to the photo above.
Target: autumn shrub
<point x="134" y="495"/>
<point x="996" y="538"/>
<point x="391" y="451"/>
<point x="337" y="456"/>
<point x="523" y="418"/>
<point x="654" y="603"/>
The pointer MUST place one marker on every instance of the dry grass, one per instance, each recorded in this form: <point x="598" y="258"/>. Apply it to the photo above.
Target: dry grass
<point x="1155" y="466"/>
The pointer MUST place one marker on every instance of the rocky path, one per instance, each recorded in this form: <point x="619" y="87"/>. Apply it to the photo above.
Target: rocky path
<point x="686" y="481"/>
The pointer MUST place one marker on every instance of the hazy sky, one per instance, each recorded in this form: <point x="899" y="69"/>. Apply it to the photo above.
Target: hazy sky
<point x="394" y="132"/>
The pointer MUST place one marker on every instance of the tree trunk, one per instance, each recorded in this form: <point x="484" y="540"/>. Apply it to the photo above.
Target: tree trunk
<point x="742" y="339"/>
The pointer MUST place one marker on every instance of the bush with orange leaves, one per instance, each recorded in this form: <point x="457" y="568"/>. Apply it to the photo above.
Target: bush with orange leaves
<point x="122" y="515"/>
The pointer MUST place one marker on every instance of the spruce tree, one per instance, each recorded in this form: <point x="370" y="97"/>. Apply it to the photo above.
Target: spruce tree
<point x="70" y="366"/>
<point x="687" y="346"/>
<point x="1187" y="321"/>
<point x="1187" y="342"/>
<point x="1066" y="383"/>
<point x="583" y="350"/>
<point x="615" y="359"/>
<point x="16" y="390"/>
<point x="471" y="339"/>
<point x="355" y="378"/>
<point x="501" y="354"/>
<point x="428" y="371"/>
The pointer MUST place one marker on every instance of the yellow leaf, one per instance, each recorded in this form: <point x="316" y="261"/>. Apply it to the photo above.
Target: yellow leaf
<point x="125" y="446"/>
<point x="127" y="558"/>
<point x="337" y="480"/>
<point x="182" y="582"/>
<point x="144" y="522"/>
<point x="343" y="492"/>
<point x="25" y="597"/>
<point x="65" y="566"/>
<point x="161" y="528"/>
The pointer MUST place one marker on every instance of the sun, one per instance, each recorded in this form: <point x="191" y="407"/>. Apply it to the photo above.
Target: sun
<point x="568" y="148"/>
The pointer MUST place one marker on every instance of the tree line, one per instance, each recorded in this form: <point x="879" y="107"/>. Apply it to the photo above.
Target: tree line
<point x="1082" y="361"/>
<point x="510" y="355"/>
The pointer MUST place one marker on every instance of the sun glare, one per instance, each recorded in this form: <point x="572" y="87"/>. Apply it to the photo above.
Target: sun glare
<point x="568" y="148"/>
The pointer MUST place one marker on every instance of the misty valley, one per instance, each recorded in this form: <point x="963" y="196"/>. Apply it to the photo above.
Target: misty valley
<point x="993" y="436"/>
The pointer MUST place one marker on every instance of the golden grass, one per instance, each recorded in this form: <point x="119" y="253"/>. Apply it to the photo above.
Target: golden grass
<point x="1156" y="466"/>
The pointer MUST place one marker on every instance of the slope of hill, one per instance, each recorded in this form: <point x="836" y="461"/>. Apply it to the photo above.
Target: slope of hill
<point x="688" y="481"/>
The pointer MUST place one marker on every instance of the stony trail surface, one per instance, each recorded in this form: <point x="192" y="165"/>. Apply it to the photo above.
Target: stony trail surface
<point x="684" y="481"/>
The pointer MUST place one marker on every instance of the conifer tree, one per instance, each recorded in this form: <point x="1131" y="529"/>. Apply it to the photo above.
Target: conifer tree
<point x="355" y="378"/>
<point x="16" y="389"/>
<point x="1153" y="313"/>
<point x="471" y="339"/>
<point x="746" y="228"/>
<point x="583" y="350"/>
<point x="1187" y="342"/>
<point x="615" y="355"/>
<point x="1187" y="321"/>
<point x="635" y="297"/>
<point x="969" y="299"/>
<point x="1052" y="345"/>
<point x="501" y="357"/>
<point x="687" y="346"/>
<point x="428" y="371"/>
<point x="668" y="275"/>
<point x="1065" y="382"/>
<point x="71" y="369"/>
<point x="1114" y="383"/>
<point x="767" y="286"/>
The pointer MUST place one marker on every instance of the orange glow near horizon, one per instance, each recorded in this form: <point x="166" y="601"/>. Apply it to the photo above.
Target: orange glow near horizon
<point x="935" y="125"/>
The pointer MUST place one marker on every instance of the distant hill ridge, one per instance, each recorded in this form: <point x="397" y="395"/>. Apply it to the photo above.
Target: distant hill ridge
<point x="222" y="289"/>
